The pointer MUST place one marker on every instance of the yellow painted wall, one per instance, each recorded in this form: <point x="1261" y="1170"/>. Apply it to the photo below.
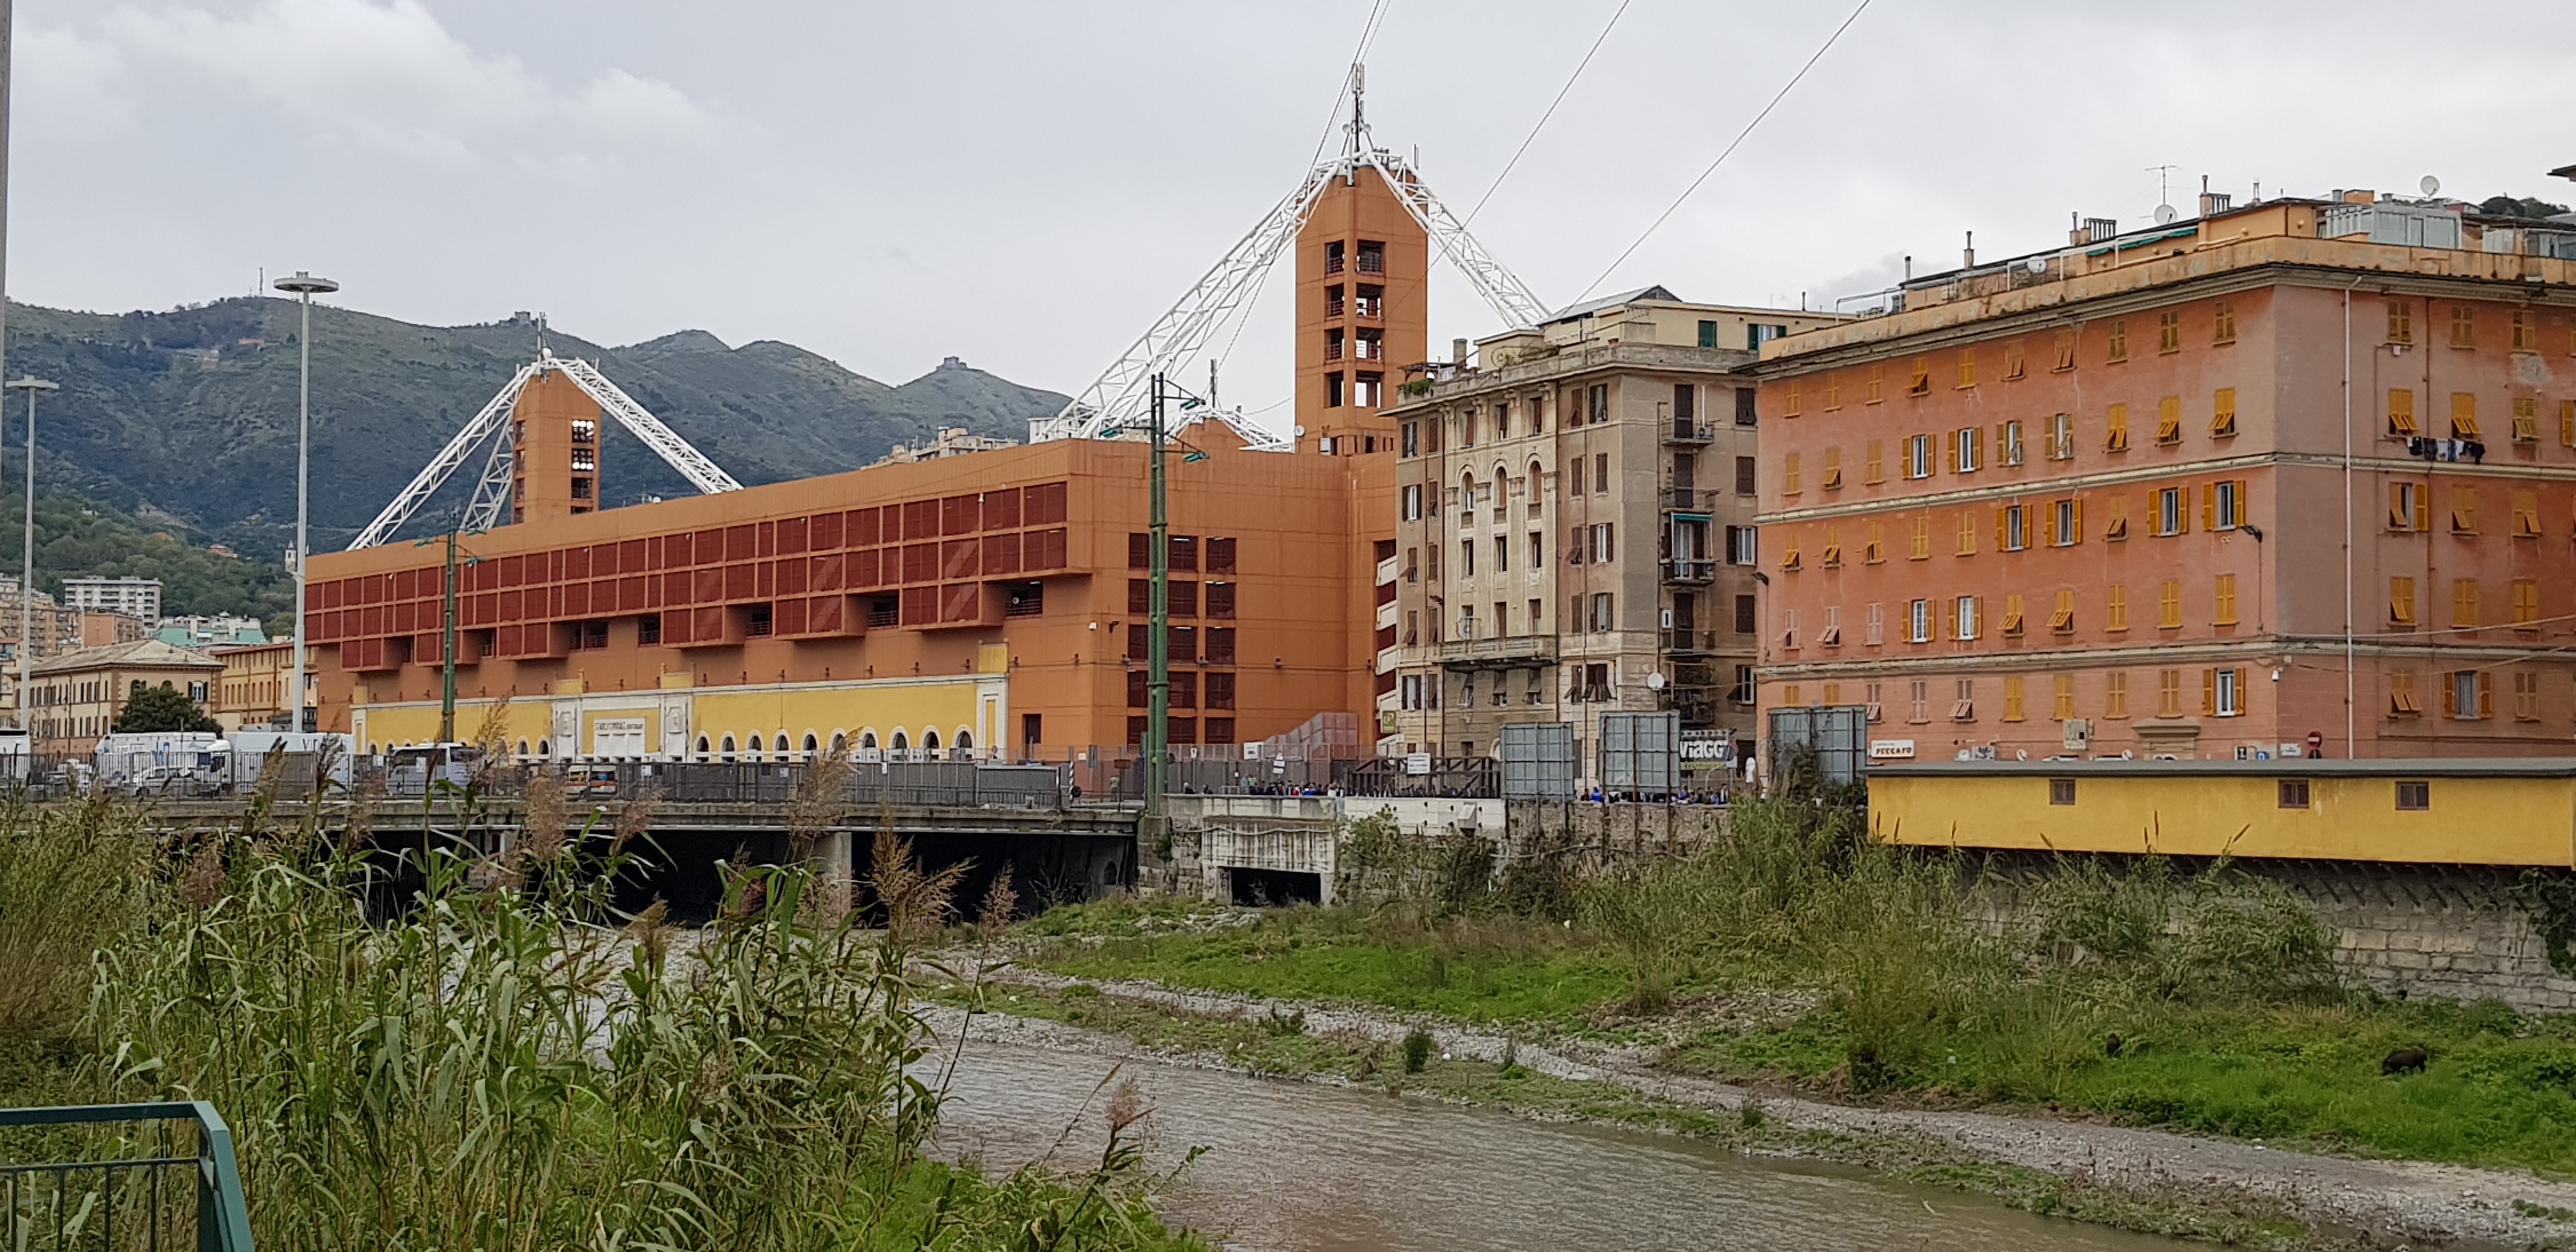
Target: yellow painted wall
<point x="975" y="703"/>
<point x="2473" y="820"/>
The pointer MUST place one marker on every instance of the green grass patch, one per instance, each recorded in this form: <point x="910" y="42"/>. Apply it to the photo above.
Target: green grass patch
<point x="2216" y="982"/>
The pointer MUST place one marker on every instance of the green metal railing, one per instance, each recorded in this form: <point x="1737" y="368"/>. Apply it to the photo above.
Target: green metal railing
<point x="131" y="1197"/>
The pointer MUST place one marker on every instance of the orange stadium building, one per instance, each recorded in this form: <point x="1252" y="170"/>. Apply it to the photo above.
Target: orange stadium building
<point x="991" y="604"/>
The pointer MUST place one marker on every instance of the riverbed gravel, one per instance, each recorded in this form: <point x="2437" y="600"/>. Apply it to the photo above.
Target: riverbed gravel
<point x="2383" y="1203"/>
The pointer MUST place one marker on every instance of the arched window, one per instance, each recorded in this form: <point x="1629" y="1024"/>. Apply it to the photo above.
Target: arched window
<point x="545" y="747"/>
<point x="1502" y="487"/>
<point x="1467" y="492"/>
<point x="523" y="747"/>
<point x="840" y="744"/>
<point x="728" y="748"/>
<point x="781" y="742"/>
<point x="930" y="740"/>
<point x="1537" y="493"/>
<point x="702" y="747"/>
<point x="811" y="745"/>
<point x="901" y="743"/>
<point x="868" y="740"/>
<point x="966" y="740"/>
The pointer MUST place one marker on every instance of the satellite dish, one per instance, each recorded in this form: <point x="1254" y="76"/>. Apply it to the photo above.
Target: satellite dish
<point x="2165" y="214"/>
<point x="2431" y="185"/>
<point x="2036" y="265"/>
<point x="1655" y="681"/>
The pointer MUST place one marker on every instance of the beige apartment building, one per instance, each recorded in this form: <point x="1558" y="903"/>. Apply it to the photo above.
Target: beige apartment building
<point x="74" y="698"/>
<point x="1575" y="526"/>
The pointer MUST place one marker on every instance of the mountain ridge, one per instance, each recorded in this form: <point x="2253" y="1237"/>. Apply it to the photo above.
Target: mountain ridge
<point x="191" y="412"/>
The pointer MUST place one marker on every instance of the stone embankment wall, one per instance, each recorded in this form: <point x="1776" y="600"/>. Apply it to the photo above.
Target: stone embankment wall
<point x="1211" y="835"/>
<point x="2447" y="931"/>
<point x="2451" y="931"/>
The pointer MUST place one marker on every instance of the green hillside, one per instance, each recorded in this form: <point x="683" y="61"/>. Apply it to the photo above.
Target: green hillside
<point x="77" y="538"/>
<point x="190" y="414"/>
<point x="176" y="430"/>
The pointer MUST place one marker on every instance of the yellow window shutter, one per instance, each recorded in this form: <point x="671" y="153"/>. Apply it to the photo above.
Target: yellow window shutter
<point x="2244" y="502"/>
<point x="1950" y="450"/>
<point x="2424" y="509"/>
<point x="2450" y="697"/>
<point x="2209" y="506"/>
<point x="2486" y="694"/>
<point x="2401" y="601"/>
<point x="2078" y="536"/>
<point x="2401" y="411"/>
<point x="2001" y="511"/>
<point x="2208" y="693"/>
<point x="2398" y="517"/>
<point x="2567" y="423"/>
<point x="2048" y="524"/>
<point x="2464" y="415"/>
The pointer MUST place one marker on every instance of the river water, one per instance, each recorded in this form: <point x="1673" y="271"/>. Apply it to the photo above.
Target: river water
<point x="1295" y="1167"/>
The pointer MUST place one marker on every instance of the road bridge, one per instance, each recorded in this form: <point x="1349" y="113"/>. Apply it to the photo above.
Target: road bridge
<point x="1055" y="853"/>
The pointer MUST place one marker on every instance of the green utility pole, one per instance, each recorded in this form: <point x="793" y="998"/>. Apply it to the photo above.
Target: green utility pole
<point x="447" y="634"/>
<point x="1158" y="619"/>
<point x="447" y="648"/>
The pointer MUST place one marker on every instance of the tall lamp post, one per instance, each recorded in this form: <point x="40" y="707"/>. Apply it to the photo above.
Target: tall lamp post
<point x="303" y="285"/>
<point x="27" y="548"/>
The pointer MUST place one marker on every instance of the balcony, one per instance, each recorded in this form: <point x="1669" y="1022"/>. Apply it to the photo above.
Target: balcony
<point x="1690" y="499"/>
<point x="1684" y="430"/>
<point x="1332" y="308"/>
<point x="1372" y="308"/>
<point x="1682" y="641"/>
<point x="1509" y="652"/>
<point x="1692" y="572"/>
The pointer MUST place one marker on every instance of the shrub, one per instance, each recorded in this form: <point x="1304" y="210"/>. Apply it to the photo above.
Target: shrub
<point x="1417" y="1051"/>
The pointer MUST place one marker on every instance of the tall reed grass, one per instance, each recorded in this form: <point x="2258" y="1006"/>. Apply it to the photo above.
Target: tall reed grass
<point x="508" y="1064"/>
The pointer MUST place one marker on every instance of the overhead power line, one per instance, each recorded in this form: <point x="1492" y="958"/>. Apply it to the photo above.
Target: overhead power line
<point x="1783" y="94"/>
<point x="1551" y="112"/>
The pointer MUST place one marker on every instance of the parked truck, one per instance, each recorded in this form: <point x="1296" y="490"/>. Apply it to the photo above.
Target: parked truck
<point x="179" y="762"/>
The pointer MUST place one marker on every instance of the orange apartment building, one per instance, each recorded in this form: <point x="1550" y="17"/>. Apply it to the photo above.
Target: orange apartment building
<point x="2302" y="473"/>
<point x="990" y="604"/>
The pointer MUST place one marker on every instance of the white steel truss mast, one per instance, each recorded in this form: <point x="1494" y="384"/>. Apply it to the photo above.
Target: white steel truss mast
<point x="492" y="492"/>
<point x="1117" y="401"/>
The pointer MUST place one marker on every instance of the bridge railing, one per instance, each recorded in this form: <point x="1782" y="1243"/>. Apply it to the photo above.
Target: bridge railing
<point x="138" y="1189"/>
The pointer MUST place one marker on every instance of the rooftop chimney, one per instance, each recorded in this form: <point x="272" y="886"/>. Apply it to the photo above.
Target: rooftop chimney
<point x="1968" y="253"/>
<point x="1458" y="351"/>
<point x="2213" y="203"/>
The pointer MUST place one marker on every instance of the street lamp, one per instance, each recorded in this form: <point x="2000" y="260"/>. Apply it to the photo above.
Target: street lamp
<point x="303" y="285"/>
<point x="27" y="549"/>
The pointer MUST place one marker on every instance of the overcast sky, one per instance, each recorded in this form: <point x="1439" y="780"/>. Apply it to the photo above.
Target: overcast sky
<point x="1027" y="185"/>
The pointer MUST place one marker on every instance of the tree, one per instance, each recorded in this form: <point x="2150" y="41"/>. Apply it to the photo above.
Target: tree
<point x="158" y="709"/>
<point x="2520" y="206"/>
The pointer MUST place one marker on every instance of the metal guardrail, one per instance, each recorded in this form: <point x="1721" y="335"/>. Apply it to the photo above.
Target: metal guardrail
<point x="58" y="1205"/>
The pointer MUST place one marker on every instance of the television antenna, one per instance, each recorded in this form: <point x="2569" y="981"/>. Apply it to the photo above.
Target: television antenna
<point x="2164" y="193"/>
